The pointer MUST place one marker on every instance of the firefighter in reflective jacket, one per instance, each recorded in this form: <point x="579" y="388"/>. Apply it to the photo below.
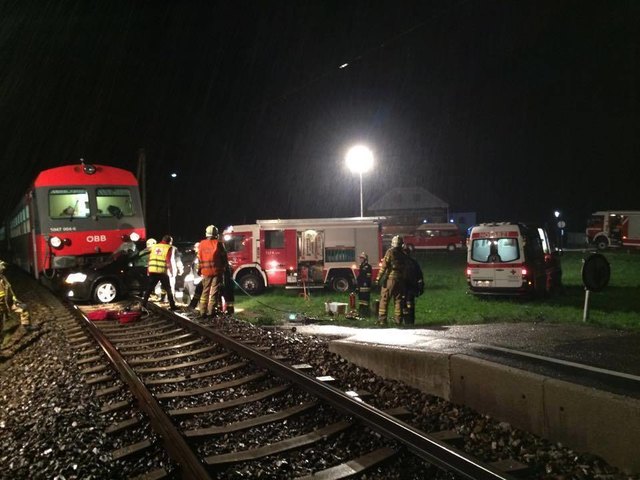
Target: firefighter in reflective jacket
<point x="158" y="270"/>
<point x="9" y="303"/>
<point x="391" y="280"/>
<point x="364" y="285"/>
<point x="212" y="261"/>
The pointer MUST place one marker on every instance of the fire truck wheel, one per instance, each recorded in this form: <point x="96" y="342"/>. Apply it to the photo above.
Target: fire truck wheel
<point x="106" y="291"/>
<point x="340" y="283"/>
<point x="251" y="283"/>
<point x="602" y="243"/>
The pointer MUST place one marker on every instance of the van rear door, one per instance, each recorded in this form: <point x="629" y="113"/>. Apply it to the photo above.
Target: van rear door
<point x="495" y="260"/>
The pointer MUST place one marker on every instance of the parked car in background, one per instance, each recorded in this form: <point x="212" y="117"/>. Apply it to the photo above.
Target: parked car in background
<point x="427" y="236"/>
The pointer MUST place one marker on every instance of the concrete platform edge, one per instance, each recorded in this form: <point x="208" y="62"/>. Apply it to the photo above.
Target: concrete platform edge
<point x="580" y="417"/>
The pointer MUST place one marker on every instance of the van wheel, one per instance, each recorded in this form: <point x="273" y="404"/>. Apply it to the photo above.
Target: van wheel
<point x="602" y="243"/>
<point x="106" y="291"/>
<point x="340" y="283"/>
<point x="251" y="283"/>
<point x="451" y="247"/>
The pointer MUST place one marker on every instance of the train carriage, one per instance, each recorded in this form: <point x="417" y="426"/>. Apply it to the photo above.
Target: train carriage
<point x="74" y="215"/>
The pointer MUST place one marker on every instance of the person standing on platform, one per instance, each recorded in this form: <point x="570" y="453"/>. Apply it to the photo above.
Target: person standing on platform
<point x="212" y="258"/>
<point x="391" y="279"/>
<point x="414" y="287"/>
<point x="158" y="270"/>
<point x="364" y="285"/>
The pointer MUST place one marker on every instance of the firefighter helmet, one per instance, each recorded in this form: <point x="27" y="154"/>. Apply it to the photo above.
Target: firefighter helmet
<point x="151" y="242"/>
<point x="397" y="241"/>
<point x="365" y="256"/>
<point x="211" y="231"/>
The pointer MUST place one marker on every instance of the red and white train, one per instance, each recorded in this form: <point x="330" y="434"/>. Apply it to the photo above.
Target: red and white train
<point x="73" y="215"/>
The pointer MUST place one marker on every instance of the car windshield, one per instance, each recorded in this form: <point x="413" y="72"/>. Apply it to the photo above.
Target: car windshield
<point x="495" y="250"/>
<point x="125" y="251"/>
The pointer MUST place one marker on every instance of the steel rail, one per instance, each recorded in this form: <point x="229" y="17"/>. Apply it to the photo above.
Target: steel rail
<point x="174" y="442"/>
<point x="429" y="449"/>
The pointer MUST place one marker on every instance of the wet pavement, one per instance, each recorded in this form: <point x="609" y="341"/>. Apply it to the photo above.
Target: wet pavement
<point x="616" y="350"/>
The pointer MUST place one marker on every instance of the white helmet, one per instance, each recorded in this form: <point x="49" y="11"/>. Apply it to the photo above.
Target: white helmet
<point x="211" y="231"/>
<point x="151" y="242"/>
<point x="397" y="241"/>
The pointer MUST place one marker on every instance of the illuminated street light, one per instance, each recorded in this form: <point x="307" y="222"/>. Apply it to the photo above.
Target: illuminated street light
<point x="172" y="175"/>
<point x="360" y="160"/>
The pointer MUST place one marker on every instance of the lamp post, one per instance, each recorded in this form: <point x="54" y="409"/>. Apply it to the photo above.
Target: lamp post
<point x="360" y="160"/>
<point x="173" y="175"/>
<point x="559" y="228"/>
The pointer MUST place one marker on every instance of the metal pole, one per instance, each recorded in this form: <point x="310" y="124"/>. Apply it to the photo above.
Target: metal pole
<point x="585" y="313"/>
<point x="361" y="204"/>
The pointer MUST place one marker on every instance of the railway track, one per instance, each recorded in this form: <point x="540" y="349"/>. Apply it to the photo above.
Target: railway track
<point x="186" y="400"/>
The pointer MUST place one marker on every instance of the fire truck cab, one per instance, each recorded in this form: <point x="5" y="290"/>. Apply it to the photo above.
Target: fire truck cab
<point x="305" y="253"/>
<point x="614" y="229"/>
<point x="512" y="259"/>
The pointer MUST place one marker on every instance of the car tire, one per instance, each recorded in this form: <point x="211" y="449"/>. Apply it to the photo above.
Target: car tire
<point x="340" y="283"/>
<point x="251" y="283"/>
<point x="105" y="291"/>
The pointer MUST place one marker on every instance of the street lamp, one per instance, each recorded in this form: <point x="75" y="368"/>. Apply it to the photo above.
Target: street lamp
<point x="559" y="228"/>
<point x="173" y="175"/>
<point x="360" y="160"/>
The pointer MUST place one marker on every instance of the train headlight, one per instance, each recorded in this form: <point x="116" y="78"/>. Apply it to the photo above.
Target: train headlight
<point x="55" y="242"/>
<point x="134" y="237"/>
<point x="75" y="278"/>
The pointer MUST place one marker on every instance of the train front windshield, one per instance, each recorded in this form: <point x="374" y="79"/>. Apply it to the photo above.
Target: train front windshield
<point x="70" y="203"/>
<point x="114" y="202"/>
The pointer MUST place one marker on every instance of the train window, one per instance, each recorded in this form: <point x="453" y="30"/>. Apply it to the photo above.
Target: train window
<point x="114" y="202"/>
<point x="68" y="203"/>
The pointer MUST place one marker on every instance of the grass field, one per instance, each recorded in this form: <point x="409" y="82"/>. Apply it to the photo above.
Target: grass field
<point x="446" y="301"/>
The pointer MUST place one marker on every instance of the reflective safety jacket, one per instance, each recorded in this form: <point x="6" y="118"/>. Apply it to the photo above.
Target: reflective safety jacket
<point x="212" y="257"/>
<point x="7" y="297"/>
<point x="394" y="265"/>
<point x="158" y="258"/>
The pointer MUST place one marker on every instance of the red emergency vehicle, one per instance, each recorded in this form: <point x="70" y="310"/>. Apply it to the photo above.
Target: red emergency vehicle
<point x="617" y="228"/>
<point x="73" y="215"/>
<point x="302" y="253"/>
<point x="512" y="259"/>
<point x="436" y="236"/>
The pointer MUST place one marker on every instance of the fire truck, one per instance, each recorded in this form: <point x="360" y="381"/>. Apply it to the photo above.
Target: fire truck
<point x="620" y="228"/>
<point x="302" y="253"/>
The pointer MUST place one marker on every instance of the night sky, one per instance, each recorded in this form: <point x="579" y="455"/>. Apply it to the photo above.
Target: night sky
<point x="509" y="109"/>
